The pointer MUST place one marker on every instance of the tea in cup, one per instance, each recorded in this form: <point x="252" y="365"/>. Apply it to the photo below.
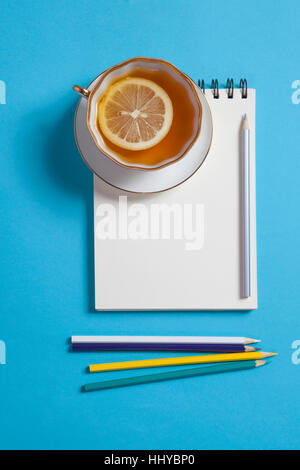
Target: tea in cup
<point x="143" y="113"/>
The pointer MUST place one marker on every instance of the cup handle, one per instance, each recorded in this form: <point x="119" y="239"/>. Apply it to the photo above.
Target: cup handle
<point x="81" y="91"/>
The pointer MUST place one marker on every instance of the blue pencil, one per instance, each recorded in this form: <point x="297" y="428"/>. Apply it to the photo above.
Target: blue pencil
<point x="142" y="379"/>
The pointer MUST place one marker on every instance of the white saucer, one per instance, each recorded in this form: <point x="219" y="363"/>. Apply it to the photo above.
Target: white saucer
<point x="139" y="181"/>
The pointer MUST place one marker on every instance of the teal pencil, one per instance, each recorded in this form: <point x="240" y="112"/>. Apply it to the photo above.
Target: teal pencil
<point x="142" y="379"/>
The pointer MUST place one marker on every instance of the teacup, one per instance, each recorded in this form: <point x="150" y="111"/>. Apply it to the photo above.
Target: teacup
<point x="186" y="108"/>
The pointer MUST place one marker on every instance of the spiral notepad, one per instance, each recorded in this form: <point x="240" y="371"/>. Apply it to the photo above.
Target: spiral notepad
<point x="199" y="272"/>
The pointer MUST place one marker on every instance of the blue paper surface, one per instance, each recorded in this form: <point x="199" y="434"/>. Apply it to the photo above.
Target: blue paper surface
<point x="46" y="197"/>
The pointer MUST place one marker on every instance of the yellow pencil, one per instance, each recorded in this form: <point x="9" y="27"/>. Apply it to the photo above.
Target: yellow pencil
<point x="177" y="361"/>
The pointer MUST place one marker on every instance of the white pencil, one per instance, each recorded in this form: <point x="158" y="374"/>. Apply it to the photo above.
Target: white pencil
<point x="246" y="287"/>
<point x="165" y="339"/>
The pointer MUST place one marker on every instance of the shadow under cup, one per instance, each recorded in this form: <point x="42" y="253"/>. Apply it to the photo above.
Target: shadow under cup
<point x="187" y="114"/>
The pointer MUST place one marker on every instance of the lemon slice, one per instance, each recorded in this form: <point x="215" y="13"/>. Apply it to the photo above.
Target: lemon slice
<point x="135" y="113"/>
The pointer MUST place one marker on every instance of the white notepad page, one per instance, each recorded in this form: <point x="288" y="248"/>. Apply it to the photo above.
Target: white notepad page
<point x="201" y="269"/>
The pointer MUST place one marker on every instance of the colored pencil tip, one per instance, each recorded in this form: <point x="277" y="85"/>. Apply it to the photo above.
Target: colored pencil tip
<point x="250" y="349"/>
<point x="245" y="124"/>
<point x="260" y="363"/>
<point x="268" y="354"/>
<point x="251" y="340"/>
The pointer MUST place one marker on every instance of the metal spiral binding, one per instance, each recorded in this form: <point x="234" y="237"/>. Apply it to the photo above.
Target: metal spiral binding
<point x="244" y="87"/>
<point x="230" y="87"/>
<point x="215" y="88"/>
<point x="201" y="85"/>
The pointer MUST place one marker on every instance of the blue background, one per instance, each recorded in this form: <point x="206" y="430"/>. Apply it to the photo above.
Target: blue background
<point x="47" y="240"/>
